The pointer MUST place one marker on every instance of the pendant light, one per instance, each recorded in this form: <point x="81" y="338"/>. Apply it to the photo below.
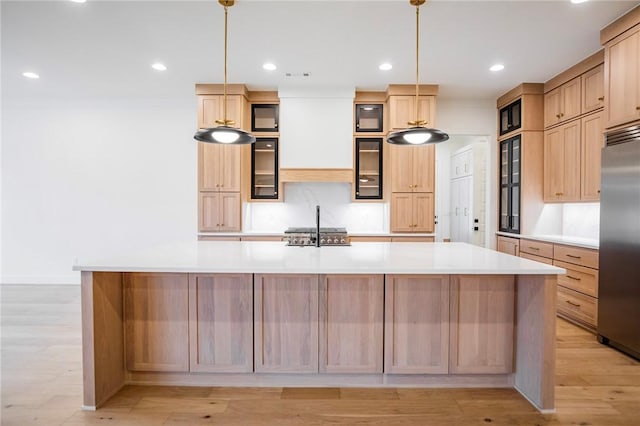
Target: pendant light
<point x="418" y="134"/>
<point x="225" y="133"/>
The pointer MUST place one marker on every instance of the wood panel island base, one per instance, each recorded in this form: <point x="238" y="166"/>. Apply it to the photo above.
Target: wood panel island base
<point x="368" y="315"/>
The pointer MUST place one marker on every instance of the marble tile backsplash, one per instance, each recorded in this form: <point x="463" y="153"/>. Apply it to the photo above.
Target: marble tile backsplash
<point x="581" y="220"/>
<point x="298" y="209"/>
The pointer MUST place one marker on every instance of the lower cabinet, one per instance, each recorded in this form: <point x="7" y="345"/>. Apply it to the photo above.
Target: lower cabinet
<point x="508" y="245"/>
<point x="351" y="323"/>
<point x="416" y="324"/>
<point x="286" y="323"/>
<point x="412" y="212"/>
<point x="156" y="313"/>
<point x="221" y="322"/>
<point x="305" y="323"/>
<point x="219" y="211"/>
<point x="482" y="324"/>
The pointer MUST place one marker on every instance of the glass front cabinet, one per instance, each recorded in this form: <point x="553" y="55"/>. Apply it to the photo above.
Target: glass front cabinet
<point x="369" y="118"/>
<point x="264" y="169"/>
<point x="510" y="117"/>
<point x="368" y="171"/>
<point x="264" y="117"/>
<point x="510" y="185"/>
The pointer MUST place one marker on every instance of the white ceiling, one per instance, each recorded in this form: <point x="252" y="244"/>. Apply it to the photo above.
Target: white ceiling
<point x="105" y="48"/>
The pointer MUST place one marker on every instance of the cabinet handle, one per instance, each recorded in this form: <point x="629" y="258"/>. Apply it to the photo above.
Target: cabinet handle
<point x="465" y="211"/>
<point x="562" y="114"/>
<point x="601" y="98"/>
<point x="217" y="185"/>
<point x="573" y="278"/>
<point x="598" y="191"/>
<point x="357" y="192"/>
<point x="465" y="167"/>
<point x="557" y="115"/>
<point x="558" y="193"/>
<point x="456" y="211"/>
<point x="574" y="257"/>
<point x="638" y="108"/>
<point x="577" y="305"/>
<point x="534" y="248"/>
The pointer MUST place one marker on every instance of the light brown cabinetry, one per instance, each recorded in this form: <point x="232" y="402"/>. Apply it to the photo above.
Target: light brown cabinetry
<point x="412" y="212"/>
<point x="219" y="167"/>
<point x="416" y="324"/>
<point x="286" y="323"/>
<point x="351" y="323"/>
<point x="592" y="142"/>
<point x="156" y="322"/>
<point x="578" y="288"/>
<point x="482" y="314"/>
<point x="562" y="163"/>
<point x="622" y="78"/>
<point x="402" y="110"/>
<point x="593" y="89"/>
<point x="563" y="103"/>
<point x="219" y="211"/>
<point x="221" y="323"/>
<point x="412" y="168"/>
<point x="211" y="108"/>
<point x="508" y="245"/>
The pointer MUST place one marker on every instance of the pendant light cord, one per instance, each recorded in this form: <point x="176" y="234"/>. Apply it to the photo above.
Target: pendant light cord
<point x="417" y="72"/>
<point x="224" y="106"/>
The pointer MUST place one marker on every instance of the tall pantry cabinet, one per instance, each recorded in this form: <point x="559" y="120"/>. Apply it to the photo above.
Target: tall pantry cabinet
<point x="412" y="168"/>
<point x="520" y="157"/>
<point x="219" y="166"/>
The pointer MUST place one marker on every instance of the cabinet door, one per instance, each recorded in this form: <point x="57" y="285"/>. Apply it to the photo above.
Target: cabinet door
<point x="401" y="168"/>
<point x="623" y="82"/>
<point x="208" y="166"/>
<point x="156" y="322"/>
<point x="221" y="323"/>
<point x="509" y="245"/>
<point x="593" y="89"/>
<point x="209" y="211"/>
<point x="592" y="144"/>
<point x="416" y="324"/>
<point x="229" y="168"/>
<point x="426" y="110"/>
<point x="423" y="169"/>
<point x="401" y="212"/>
<point x="230" y="211"/>
<point x="286" y="323"/>
<point x="209" y="110"/>
<point x="351" y="314"/>
<point x="401" y="111"/>
<point x="561" y="163"/>
<point x="423" y="212"/>
<point x="482" y="312"/>
<point x="454" y="195"/>
<point x="571" y="99"/>
<point x="552" y="106"/>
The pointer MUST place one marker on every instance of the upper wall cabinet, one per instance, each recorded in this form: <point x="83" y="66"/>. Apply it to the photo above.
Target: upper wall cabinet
<point x="622" y="88"/>
<point x="511" y="117"/>
<point x="402" y="110"/>
<point x="211" y="108"/>
<point x="369" y="118"/>
<point x="264" y="117"/>
<point x="412" y="168"/>
<point x="562" y="103"/>
<point x="593" y="89"/>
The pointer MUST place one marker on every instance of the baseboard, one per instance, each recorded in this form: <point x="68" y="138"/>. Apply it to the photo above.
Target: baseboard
<point x="41" y="279"/>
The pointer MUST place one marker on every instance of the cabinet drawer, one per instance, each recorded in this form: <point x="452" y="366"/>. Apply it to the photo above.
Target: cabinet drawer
<point x="578" y="278"/>
<point x="576" y="255"/>
<point x="536" y="258"/>
<point x="578" y="306"/>
<point x="508" y="245"/>
<point x="536" y="247"/>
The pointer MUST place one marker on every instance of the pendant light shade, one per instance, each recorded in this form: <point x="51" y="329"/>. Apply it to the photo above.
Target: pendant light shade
<point x="417" y="135"/>
<point x="225" y="133"/>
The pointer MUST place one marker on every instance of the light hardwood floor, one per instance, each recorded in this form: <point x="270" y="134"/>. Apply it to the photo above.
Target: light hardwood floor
<point x="42" y="384"/>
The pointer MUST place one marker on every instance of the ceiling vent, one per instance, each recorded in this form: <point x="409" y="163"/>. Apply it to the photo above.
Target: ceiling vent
<point x="298" y="74"/>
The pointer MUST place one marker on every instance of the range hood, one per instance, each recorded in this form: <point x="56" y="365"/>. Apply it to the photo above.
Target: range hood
<point x="316" y="135"/>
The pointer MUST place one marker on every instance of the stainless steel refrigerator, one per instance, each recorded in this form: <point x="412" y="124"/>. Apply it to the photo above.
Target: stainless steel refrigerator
<point x="619" y="284"/>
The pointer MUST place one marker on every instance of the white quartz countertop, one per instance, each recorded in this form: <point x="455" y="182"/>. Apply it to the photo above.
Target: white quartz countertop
<point x="558" y="239"/>
<point x="358" y="258"/>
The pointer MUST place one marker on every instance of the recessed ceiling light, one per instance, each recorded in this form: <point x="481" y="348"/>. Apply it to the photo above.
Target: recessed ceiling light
<point x="79" y="1"/>
<point x="579" y="1"/>
<point x="269" y="66"/>
<point x="30" y="74"/>
<point x="496" y="67"/>
<point x="159" y="67"/>
<point x="385" y="67"/>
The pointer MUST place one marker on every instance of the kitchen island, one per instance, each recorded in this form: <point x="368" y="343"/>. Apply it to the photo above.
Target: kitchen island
<point x="370" y="314"/>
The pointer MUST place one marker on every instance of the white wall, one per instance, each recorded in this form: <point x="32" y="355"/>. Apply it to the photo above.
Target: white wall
<point x="92" y="177"/>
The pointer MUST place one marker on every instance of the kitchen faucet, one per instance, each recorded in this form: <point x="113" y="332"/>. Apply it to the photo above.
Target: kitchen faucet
<point x="317" y="226"/>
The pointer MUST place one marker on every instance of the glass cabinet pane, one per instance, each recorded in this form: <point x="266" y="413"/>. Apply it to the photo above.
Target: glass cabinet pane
<point x="510" y="117"/>
<point x="368" y="168"/>
<point x="515" y="115"/>
<point x="264" y="168"/>
<point x="504" y="163"/>
<point x="264" y="118"/>
<point x="369" y="118"/>
<point x="515" y="160"/>
<point x="515" y="209"/>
